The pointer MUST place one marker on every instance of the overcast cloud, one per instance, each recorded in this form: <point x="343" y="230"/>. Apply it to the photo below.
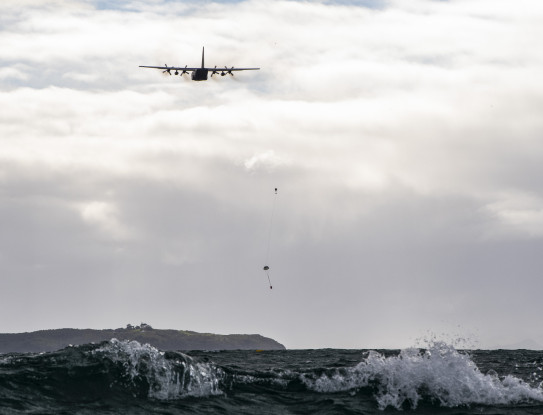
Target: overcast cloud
<point x="405" y="138"/>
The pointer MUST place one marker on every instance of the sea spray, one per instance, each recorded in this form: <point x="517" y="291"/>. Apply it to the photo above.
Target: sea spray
<point x="163" y="375"/>
<point x="439" y="373"/>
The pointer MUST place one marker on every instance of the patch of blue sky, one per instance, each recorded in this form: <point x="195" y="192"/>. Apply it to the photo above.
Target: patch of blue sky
<point x="370" y="4"/>
<point x="112" y="5"/>
<point x="131" y="5"/>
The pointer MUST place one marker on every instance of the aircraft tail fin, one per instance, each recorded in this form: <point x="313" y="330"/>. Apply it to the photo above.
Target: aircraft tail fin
<point x="202" y="56"/>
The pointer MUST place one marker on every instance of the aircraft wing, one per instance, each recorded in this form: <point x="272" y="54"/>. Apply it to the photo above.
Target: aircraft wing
<point x="233" y="69"/>
<point x="184" y="68"/>
<point x="170" y="68"/>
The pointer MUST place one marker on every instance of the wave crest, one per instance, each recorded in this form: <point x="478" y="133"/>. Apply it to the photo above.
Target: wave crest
<point x="161" y="375"/>
<point x="439" y="373"/>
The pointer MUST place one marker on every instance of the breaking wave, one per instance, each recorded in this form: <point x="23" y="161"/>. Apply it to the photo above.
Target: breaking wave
<point x="440" y="374"/>
<point x="163" y="375"/>
<point x="125" y="374"/>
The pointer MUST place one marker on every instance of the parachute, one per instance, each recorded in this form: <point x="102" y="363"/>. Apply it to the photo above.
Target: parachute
<point x="266" y="267"/>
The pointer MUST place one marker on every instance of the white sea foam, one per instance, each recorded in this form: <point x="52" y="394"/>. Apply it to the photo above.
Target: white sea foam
<point x="440" y="373"/>
<point x="279" y="378"/>
<point x="167" y="378"/>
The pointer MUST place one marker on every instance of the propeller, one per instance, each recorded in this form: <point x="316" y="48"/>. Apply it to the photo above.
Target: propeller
<point x="229" y="70"/>
<point x="167" y="69"/>
<point x="184" y="71"/>
<point x="214" y="71"/>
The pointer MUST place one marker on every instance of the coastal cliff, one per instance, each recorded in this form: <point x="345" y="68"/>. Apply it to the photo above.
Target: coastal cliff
<point x="50" y="340"/>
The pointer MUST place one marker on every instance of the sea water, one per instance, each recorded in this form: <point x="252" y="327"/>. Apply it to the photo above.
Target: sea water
<point x="126" y="377"/>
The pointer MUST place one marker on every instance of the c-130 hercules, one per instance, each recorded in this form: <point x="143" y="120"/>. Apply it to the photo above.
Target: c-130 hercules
<point x="199" y="74"/>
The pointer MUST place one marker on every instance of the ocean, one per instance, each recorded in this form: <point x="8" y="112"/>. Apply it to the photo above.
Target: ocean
<point x="126" y="377"/>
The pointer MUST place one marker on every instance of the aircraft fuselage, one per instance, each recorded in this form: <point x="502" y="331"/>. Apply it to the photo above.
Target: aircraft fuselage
<point x="199" y="74"/>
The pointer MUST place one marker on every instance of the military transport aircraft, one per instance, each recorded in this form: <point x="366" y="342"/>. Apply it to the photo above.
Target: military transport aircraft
<point x="199" y="74"/>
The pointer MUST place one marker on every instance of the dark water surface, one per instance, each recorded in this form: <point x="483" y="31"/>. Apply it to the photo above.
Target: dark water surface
<point x="129" y="378"/>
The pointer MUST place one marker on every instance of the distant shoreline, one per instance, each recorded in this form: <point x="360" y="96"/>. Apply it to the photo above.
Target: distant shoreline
<point x="55" y="339"/>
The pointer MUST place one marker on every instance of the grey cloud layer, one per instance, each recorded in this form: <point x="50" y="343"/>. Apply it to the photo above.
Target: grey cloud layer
<point x="404" y="140"/>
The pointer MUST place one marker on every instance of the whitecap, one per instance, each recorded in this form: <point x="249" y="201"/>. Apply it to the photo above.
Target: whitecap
<point x="175" y="377"/>
<point x="439" y="373"/>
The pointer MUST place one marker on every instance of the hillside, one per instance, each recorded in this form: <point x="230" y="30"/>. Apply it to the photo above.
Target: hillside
<point x="49" y="340"/>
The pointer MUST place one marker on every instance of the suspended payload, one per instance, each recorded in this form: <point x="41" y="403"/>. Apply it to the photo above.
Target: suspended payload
<point x="266" y="267"/>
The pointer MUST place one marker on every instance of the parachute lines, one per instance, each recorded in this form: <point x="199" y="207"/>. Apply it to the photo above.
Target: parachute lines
<point x="266" y="267"/>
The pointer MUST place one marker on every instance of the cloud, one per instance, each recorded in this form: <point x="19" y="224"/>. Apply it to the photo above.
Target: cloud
<point x="12" y="73"/>
<point x="105" y="217"/>
<point x="403" y="138"/>
<point x="267" y="160"/>
<point x="517" y="215"/>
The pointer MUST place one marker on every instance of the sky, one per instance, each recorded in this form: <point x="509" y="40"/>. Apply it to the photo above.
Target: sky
<point x="405" y="138"/>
